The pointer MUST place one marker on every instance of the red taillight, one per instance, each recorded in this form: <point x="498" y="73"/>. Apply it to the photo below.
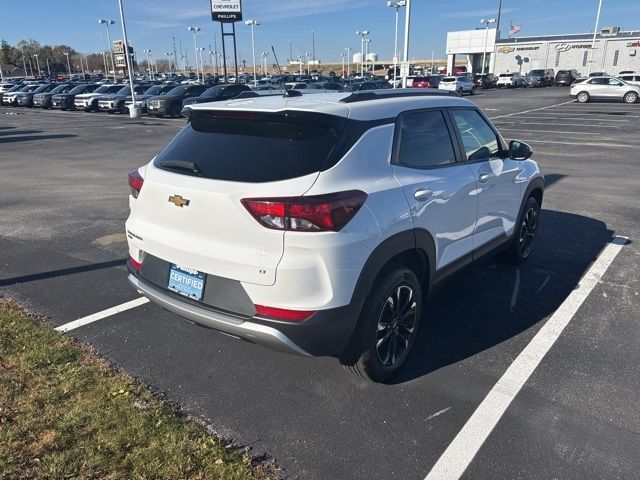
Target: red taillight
<point x="283" y="314"/>
<point x="330" y="212"/>
<point x="135" y="182"/>
<point x="134" y="263"/>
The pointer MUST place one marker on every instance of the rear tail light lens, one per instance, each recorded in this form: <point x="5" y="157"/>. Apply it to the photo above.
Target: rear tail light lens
<point x="135" y="182"/>
<point x="283" y="314"/>
<point x="134" y="263"/>
<point x="330" y="212"/>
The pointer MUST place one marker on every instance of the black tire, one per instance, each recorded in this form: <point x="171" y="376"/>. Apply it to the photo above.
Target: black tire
<point x="524" y="234"/>
<point x="473" y="91"/>
<point x="390" y="317"/>
<point x="460" y="91"/>
<point x="175" y="111"/>
<point x="583" y="97"/>
<point x="630" y="97"/>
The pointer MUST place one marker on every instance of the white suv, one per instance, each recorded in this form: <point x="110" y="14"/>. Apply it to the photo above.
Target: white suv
<point x="316" y="224"/>
<point x="461" y="84"/>
<point x="510" y="80"/>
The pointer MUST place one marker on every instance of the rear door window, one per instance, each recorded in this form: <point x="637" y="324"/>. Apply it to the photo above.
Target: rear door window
<point x="424" y="140"/>
<point x="252" y="146"/>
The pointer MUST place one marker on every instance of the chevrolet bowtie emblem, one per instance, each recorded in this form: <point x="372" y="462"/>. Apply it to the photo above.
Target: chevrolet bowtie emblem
<point x="178" y="201"/>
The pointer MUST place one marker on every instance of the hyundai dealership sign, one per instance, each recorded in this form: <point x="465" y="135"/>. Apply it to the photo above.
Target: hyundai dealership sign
<point x="226" y="10"/>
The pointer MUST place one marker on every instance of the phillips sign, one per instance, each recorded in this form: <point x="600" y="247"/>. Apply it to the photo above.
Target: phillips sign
<point x="226" y="10"/>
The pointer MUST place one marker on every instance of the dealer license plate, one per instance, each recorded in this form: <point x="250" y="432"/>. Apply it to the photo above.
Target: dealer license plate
<point x="186" y="282"/>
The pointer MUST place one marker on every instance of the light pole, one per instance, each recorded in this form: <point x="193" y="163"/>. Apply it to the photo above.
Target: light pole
<point x="66" y="54"/>
<point x="362" y="34"/>
<point x="252" y="24"/>
<point x="308" y="55"/>
<point x="367" y="41"/>
<point x="432" y="54"/>
<point x="407" y="23"/>
<point x="102" y="21"/>
<point x="147" y="52"/>
<point x="486" y="35"/>
<point x="300" y="64"/>
<point x="265" y="71"/>
<point x="175" y="57"/>
<point x="313" y="46"/>
<point x="170" y="67"/>
<point x="37" y="63"/>
<point x="133" y="112"/>
<point x="195" y="47"/>
<point x="104" y="60"/>
<point x="348" y="49"/>
<point x="48" y="69"/>
<point x="201" y="49"/>
<point x="593" y="42"/>
<point x="397" y="5"/>
<point x="343" y="55"/>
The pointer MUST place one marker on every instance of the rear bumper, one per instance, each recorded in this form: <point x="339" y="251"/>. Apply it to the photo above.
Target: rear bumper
<point x="326" y="333"/>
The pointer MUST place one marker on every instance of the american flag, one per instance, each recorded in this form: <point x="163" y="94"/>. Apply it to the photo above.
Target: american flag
<point x="514" y="29"/>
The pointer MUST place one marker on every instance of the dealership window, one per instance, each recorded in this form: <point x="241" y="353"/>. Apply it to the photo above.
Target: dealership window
<point x="585" y="57"/>
<point x="557" y="59"/>
<point x="615" y="58"/>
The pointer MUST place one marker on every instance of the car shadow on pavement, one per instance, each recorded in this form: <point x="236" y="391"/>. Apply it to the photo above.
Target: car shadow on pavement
<point x="487" y="304"/>
<point x="20" y="132"/>
<point x="61" y="272"/>
<point x="31" y="138"/>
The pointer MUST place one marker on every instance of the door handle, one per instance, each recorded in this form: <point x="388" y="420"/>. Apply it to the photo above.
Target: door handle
<point x="484" y="177"/>
<point x="422" y="194"/>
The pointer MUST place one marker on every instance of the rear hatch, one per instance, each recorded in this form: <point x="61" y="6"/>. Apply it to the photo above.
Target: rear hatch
<point x="218" y="159"/>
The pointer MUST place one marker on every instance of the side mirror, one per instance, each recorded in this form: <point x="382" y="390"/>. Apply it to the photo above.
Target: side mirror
<point x="519" y="150"/>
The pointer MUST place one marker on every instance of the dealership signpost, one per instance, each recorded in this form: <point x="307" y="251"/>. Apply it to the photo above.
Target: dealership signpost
<point x="227" y="11"/>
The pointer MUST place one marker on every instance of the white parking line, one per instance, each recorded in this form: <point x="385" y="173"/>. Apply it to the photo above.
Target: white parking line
<point x="459" y="454"/>
<point x="532" y="110"/>
<point x="103" y="314"/>
<point x="550" y="131"/>
<point x="527" y="122"/>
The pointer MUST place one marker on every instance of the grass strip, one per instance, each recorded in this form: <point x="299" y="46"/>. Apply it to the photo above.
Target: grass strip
<point x="65" y="413"/>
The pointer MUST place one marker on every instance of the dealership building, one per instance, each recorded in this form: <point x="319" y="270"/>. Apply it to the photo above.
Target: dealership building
<point x="615" y="50"/>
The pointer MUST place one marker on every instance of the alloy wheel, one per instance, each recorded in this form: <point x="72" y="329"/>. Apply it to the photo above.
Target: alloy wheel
<point x="528" y="231"/>
<point x="396" y="326"/>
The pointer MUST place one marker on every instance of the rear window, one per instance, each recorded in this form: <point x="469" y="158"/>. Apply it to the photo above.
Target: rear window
<point x="449" y="79"/>
<point x="253" y="147"/>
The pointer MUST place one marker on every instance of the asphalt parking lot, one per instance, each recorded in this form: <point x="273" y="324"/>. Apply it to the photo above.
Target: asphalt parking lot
<point x="63" y="203"/>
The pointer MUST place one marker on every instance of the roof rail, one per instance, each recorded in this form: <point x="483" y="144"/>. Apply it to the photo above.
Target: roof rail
<point x="367" y="95"/>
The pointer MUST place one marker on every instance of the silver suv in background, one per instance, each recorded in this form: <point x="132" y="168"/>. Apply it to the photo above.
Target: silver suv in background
<point x="607" y="88"/>
<point x="460" y="84"/>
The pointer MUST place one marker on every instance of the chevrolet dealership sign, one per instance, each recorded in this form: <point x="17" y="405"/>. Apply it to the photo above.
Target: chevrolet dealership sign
<point x="226" y="10"/>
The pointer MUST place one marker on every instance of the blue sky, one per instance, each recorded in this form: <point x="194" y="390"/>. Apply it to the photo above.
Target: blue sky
<point x="152" y="23"/>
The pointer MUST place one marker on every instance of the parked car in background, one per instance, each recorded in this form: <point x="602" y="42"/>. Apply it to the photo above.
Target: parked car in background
<point x="486" y="80"/>
<point x="12" y="89"/>
<point x="117" y="101"/>
<point x="25" y="99"/>
<point x="10" y="98"/>
<point x="460" y="84"/>
<point x="89" y="101"/>
<point x="6" y="86"/>
<point x="599" y="74"/>
<point x="510" y="80"/>
<point x="631" y="79"/>
<point x="295" y="86"/>
<point x="539" y="78"/>
<point x="360" y="86"/>
<point x="605" y="88"/>
<point x="171" y="102"/>
<point x="431" y="81"/>
<point x="143" y="97"/>
<point x="219" y="93"/>
<point x="566" y="77"/>
<point x="43" y="100"/>
<point x="65" y="101"/>
<point x="331" y="86"/>
<point x="229" y="229"/>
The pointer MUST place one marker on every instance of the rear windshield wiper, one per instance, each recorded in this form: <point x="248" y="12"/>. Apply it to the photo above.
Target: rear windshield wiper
<point x="182" y="165"/>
